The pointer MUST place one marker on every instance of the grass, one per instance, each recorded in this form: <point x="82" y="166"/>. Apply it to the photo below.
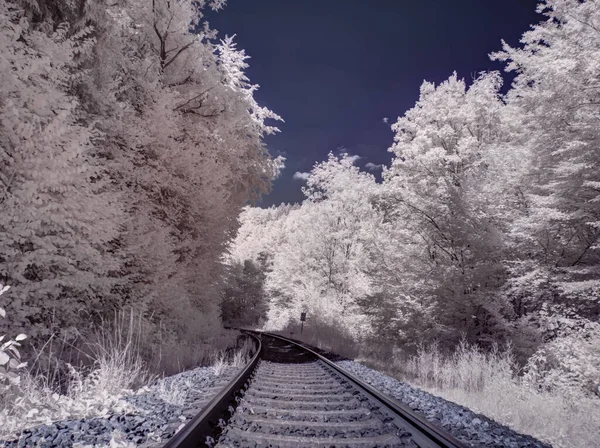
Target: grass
<point x="236" y="358"/>
<point x="220" y="364"/>
<point x="53" y="389"/>
<point x="170" y="393"/>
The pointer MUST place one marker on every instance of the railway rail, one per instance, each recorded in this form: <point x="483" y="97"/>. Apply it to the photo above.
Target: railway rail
<point x="290" y="396"/>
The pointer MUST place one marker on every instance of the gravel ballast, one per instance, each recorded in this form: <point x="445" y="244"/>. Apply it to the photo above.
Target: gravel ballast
<point x="473" y="429"/>
<point x="156" y="413"/>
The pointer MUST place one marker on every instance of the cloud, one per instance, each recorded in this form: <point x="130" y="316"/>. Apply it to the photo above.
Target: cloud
<point x="373" y="167"/>
<point x="386" y="120"/>
<point x="301" y="176"/>
<point x="353" y="159"/>
<point x="342" y="151"/>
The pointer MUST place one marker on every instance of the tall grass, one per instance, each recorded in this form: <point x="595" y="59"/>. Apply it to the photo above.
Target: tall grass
<point x="53" y="389"/>
<point x="489" y="383"/>
<point x="116" y="354"/>
<point x="90" y="376"/>
<point x="236" y="357"/>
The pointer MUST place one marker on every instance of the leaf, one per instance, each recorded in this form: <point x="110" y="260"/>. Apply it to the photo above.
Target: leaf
<point x="13" y="378"/>
<point x="15" y="350"/>
<point x="2" y="312"/>
<point x="21" y="337"/>
<point x="4" y="358"/>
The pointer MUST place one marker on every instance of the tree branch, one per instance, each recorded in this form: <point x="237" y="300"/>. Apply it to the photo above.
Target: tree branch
<point x="181" y="50"/>
<point x="196" y="97"/>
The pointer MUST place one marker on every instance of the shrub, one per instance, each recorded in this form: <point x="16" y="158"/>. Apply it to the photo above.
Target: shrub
<point x="569" y="364"/>
<point x="10" y="357"/>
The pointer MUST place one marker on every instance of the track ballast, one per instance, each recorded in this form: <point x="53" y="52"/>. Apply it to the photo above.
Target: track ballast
<point x="296" y="398"/>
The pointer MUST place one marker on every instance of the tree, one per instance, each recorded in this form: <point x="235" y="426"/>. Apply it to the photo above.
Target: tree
<point x="244" y="301"/>
<point x="318" y="254"/>
<point x="444" y="150"/>
<point x="186" y="148"/>
<point x="59" y="220"/>
<point x="555" y="96"/>
<point x="131" y="140"/>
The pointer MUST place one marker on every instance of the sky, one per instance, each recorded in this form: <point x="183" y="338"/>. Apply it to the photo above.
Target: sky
<point x="334" y="69"/>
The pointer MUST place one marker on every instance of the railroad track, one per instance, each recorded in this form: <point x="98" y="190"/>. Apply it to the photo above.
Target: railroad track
<point x="290" y="396"/>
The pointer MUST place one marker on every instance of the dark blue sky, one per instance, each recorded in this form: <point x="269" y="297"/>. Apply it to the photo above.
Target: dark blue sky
<point x="333" y="69"/>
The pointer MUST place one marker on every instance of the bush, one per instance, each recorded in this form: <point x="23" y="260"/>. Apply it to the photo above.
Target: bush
<point x="10" y="356"/>
<point x="569" y="364"/>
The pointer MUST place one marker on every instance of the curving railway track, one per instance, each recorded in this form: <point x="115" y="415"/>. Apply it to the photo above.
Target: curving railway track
<point x="290" y="396"/>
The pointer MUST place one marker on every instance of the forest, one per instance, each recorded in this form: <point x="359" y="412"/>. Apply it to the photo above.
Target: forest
<point x="132" y="151"/>
<point x="130" y="140"/>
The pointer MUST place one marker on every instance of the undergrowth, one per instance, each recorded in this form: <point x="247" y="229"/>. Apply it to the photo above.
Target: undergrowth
<point x="236" y="358"/>
<point x="108" y="366"/>
<point x="491" y="383"/>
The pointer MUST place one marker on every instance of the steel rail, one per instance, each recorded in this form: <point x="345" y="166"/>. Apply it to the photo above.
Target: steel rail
<point x="204" y="424"/>
<point x="432" y="433"/>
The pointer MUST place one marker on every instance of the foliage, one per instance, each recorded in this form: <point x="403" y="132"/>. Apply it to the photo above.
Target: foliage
<point x="555" y="98"/>
<point x="58" y="218"/>
<point x="129" y="142"/>
<point x="243" y="303"/>
<point x="569" y="364"/>
<point x="10" y="357"/>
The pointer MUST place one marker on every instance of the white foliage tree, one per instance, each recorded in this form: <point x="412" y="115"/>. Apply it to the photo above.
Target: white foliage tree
<point x="187" y="146"/>
<point x="319" y="253"/>
<point x="130" y="141"/>
<point x="444" y="149"/>
<point x="58" y="218"/>
<point x="556" y="98"/>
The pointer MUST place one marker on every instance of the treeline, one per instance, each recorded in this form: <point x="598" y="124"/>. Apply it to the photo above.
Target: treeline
<point x="129" y="141"/>
<point x="486" y="225"/>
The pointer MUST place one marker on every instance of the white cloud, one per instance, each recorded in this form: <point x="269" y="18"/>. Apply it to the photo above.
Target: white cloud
<point x="386" y="120"/>
<point x="301" y="176"/>
<point x="373" y="167"/>
<point x="352" y="159"/>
